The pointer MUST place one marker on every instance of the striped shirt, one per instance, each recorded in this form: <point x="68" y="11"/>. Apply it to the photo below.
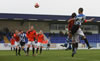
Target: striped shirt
<point x="22" y="37"/>
<point x="80" y="19"/>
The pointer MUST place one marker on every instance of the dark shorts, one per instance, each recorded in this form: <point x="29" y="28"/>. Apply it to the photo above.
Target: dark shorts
<point x="48" y="45"/>
<point x="22" y="43"/>
<point x="75" y="45"/>
<point x="74" y="29"/>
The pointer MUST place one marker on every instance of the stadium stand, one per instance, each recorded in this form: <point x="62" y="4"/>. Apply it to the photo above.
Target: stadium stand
<point x="57" y="38"/>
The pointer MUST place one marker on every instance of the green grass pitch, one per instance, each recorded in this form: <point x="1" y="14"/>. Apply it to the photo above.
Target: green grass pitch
<point x="52" y="55"/>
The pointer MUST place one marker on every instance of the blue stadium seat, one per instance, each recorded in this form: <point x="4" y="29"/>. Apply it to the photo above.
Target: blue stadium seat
<point x="95" y="38"/>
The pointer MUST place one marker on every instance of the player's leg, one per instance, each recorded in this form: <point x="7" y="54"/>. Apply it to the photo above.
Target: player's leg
<point x="73" y="49"/>
<point x="29" y="43"/>
<point x="37" y="50"/>
<point x="38" y="45"/>
<point x="69" y="36"/>
<point x="11" y="47"/>
<point x="19" y="46"/>
<point x="69" y="40"/>
<point x="23" y="46"/>
<point x="16" y="48"/>
<point x="86" y="41"/>
<point x="75" y="44"/>
<point x="40" y="48"/>
<point x="84" y="38"/>
<point x="33" y="48"/>
<point x="19" y="51"/>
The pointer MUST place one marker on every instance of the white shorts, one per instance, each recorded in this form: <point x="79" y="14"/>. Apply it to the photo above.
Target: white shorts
<point x="39" y="44"/>
<point x="13" y="46"/>
<point x="17" y="43"/>
<point x="31" y="43"/>
<point x="80" y="32"/>
<point x="75" y="37"/>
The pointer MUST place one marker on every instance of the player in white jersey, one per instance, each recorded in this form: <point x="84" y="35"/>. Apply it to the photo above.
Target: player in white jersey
<point x="76" y="30"/>
<point x="22" y="37"/>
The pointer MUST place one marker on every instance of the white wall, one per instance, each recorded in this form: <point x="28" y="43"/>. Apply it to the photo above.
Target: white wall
<point x="54" y="7"/>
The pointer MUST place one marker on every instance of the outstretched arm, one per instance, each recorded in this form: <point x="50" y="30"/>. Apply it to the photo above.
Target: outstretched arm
<point x="90" y="20"/>
<point x="71" y="19"/>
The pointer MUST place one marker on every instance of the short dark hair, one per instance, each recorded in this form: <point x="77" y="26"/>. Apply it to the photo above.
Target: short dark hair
<point x="73" y="15"/>
<point x="81" y="9"/>
<point x="20" y="30"/>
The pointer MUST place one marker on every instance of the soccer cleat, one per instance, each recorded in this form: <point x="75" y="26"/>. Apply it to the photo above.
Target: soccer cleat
<point x="33" y="55"/>
<point x="27" y="54"/>
<point x="16" y="54"/>
<point x="36" y="54"/>
<point x="73" y="54"/>
<point x="19" y="54"/>
<point x="89" y="47"/>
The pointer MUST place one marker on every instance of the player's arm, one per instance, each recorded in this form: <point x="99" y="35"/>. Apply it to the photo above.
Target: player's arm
<point x="71" y="19"/>
<point x="43" y="38"/>
<point x="90" y="20"/>
<point x="27" y="34"/>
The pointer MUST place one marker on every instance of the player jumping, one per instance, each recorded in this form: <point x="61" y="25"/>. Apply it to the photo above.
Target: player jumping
<point x="70" y="24"/>
<point x="76" y="30"/>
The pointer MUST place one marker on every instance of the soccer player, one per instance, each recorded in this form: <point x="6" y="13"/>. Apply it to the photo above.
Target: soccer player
<point x="81" y="18"/>
<point x="76" y="30"/>
<point x="40" y="38"/>
<point x="17" y="42"/>
<point x="31" y="35"/>
<point x="12" y="43"/>
<point x="22" y="37"/>
<point x="70" y="24"/>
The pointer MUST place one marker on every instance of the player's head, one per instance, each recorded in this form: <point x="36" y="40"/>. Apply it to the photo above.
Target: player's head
<point x="80" y="10"/>
<point x="16" y="31"/>
<point x="21" y="31"/>
<point x="73" y="15"/>
<point x="41" y="32"/>
<point x="32" y="27"/>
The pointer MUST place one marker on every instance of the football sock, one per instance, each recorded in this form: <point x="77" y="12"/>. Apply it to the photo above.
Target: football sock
<point x="19" y="50"/>
<point x="24" y="50"/>
<point x="37" y="50"/>
<point x="33" y="50"/>
<point x="40" y="50"/>
<point x="28" y="50"/>
<point x="16" y="51"/>
<point x="87" y="43"/>
<point x="11" y="48"/>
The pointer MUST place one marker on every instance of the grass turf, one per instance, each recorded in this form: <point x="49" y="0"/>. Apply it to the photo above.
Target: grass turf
<point x="53" y="55"/>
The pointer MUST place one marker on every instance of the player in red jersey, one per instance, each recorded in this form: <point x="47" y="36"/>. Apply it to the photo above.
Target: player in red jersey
<point x="70" y="25"/>
<point x="40" y="39"/>
<point x="31" y="35"/>
<point x="17" y="42"/>
<point x="12" y="40"/>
